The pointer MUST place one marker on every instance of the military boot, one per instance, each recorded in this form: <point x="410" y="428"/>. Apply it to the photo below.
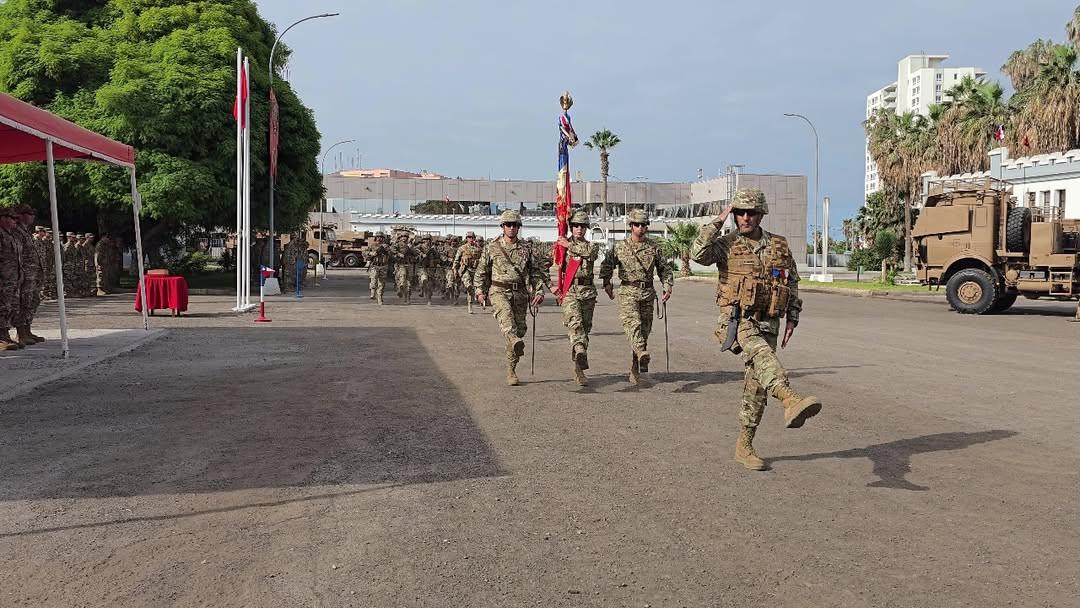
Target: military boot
<point x="5" y="339"/>
<point x="470" y="305"/>
<point x="372" y="296"/>
<point x="797" y="408"/>
<point x="643" y="361"/>
<point x="24" y="338"/>
<point x="511" y="374"/>
<point x="635" y="377"/>
<point x="378" y="299"/>
<point x="744" y="450"/>
<point x="518" y="347"/>
<point x="581" y="357"/>
<point x="579" y="376"/>
<point x="32" y="335"/>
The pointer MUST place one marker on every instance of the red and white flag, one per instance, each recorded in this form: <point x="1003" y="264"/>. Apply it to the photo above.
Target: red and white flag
<point x="999" y="134"/>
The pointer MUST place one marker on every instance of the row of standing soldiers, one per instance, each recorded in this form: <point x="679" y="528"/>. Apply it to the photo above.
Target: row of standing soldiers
<point x="431" y="264"/>
<point x="28" y="271"/>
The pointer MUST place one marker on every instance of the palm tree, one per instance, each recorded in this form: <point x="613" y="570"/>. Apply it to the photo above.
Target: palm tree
<point x="962" y="129"/>
<point x="603" y="140"/>
<point x="677" y="243"/>
<point x="1072" y="28"/>
<point x="1047" y="114"/>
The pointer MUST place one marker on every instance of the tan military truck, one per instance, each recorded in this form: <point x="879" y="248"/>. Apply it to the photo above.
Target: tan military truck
<point x="974" y="239"/>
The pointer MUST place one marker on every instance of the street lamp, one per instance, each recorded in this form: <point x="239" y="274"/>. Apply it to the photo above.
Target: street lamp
<point x="816" y="165"/>
<point x="270" y="69"/>
<point x="322" y="210"/>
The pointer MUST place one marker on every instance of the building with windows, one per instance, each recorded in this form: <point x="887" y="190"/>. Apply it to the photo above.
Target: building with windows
<point x="921" y="80"/>
<point x="443" y="205"/>
<point x="1047" y="183"/>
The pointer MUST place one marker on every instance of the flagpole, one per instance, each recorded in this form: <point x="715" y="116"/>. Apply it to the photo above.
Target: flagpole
<point x="247" y="190"/>
<point x="239" y="243"/>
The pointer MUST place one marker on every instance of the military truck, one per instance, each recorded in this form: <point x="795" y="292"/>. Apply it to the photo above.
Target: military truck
<point x="973" y="238"/>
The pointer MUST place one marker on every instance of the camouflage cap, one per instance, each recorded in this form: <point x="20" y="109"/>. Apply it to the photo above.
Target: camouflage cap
<point x="39" y="229"/>
<point x="25" y="209"/>
<point x="509" y="217"/>
<point x="69" y="234"/>
<point x="751" y="199"/>
<point x="579" y="217"/>
<point x="380" y="235"/>
<point x="89" y="235"/>
<point x="470" y="234"/>
<point x="637" y="216"/>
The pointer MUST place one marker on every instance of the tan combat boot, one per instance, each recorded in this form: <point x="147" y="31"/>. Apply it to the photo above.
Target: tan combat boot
<point x="511" y="374"/>
<point x="579" y="375"/>
<point x="635" y="377"/>
<point x="24" y="337"/>
<point x="469" y="302"/>
<point x="744" y="450"/>
<point x="581" y="357"/>
<point x="643" y="361"/>
<point x="797" y="408"/>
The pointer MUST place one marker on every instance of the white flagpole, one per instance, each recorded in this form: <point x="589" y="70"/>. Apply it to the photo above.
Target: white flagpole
<point x="247" y="190"/>
<point x="238" y="240"/>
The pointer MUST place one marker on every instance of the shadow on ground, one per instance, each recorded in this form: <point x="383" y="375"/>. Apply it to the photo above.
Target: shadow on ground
<point x="200" y="411"/>
<point x="892" y="460"/>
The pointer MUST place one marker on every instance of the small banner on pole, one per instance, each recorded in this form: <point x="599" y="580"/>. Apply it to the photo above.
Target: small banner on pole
<point x="273" y="133"/>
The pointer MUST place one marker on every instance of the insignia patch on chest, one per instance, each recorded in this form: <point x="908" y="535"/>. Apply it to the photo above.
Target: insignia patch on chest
<point x="779" y="273"/>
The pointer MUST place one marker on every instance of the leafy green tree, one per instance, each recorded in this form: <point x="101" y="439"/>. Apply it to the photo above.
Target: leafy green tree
<point x="160" y="76"/>
<point x="677" y="243"/>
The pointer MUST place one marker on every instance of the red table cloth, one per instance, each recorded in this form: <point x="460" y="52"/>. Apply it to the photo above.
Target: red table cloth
<point x="163" y="292"/>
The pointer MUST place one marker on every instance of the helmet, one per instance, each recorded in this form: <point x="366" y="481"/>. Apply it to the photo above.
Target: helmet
<point x="470" y="234"/>
<point x="380" y="235"/>
<point x="637" y="216"/>
<point x="25" y="209"/>
<point x="750" y="198"/>
<point x="509" y="217"/>
<point x="580" y="217"/>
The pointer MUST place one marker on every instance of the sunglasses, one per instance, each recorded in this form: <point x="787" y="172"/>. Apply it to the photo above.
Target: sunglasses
<point x="637" y="224"/>
<point x="579" y="225"/>
<point x="749" y="212"/>
<point x="514" y="224"/>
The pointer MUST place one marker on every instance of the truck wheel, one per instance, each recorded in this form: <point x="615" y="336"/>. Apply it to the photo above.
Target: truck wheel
<point x="335" y="263"/>
<point x="312" y="260"/>
<point x="351" y="260"/>
<point x="1018" y="230"/>
<point x="1004" y="301"/>
<point x="971" y="291"/>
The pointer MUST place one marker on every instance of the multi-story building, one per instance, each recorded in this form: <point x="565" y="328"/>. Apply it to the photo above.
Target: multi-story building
<point x="921" y="81"/>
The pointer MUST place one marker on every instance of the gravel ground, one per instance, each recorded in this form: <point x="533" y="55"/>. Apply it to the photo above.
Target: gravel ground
<point x="352" y="455"/>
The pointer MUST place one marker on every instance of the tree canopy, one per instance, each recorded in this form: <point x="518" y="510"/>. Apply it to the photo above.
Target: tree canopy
<point x="158" y="75"/>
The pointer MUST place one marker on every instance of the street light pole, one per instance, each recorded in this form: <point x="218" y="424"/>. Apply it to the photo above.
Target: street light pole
<point x="322" y="208"/>
<point x="270" y="69"/>
<point x="813" y="234"/>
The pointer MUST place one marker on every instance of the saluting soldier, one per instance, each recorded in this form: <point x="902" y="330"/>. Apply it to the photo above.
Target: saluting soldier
<point x="758" y="285"/>
<point x="638" y="260"/>
<point x="579" y="301"/>
<point x="507" y="270"/>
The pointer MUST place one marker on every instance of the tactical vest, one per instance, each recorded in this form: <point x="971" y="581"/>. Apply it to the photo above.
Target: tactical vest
<point x="380" y="256"/>
<point x="470" y="257"/>
<point x="760" y="289"/>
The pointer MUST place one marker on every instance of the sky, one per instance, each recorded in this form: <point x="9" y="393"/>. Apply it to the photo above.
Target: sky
<point x="470" y="88"/>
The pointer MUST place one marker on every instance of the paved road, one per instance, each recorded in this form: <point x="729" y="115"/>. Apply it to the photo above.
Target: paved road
<point x="350" y="455"/>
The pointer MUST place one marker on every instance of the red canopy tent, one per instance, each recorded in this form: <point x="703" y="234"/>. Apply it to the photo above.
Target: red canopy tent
<point x="27" y="134"/>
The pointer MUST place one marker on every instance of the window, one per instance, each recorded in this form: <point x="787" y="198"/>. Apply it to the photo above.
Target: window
<point x="1046" y="198"/>
<point x="937" y="87"/>
<point x="955" y="76"/>
<point x="1061" y="199"/>
<point x="939" y="76"/>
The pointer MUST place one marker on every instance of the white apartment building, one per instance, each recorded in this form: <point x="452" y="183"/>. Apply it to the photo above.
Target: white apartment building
<point x="921" y="80"/>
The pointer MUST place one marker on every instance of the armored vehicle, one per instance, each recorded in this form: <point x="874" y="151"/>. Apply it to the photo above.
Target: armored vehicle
<point x="973" y="238"/>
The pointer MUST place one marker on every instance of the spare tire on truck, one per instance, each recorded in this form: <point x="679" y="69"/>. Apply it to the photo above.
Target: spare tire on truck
<point x="1018" y="230"/>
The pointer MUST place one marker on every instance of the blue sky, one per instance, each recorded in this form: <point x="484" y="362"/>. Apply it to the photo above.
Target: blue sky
<point x="470" y="88"/>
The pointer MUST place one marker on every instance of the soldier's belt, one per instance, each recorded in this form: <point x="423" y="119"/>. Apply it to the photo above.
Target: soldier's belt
<point x="583" y="281"/>
<point x="513" y="286"/>
<point x="638" y="284"/>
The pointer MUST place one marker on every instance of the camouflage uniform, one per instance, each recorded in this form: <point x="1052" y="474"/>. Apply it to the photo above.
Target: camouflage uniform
<point x="579" y="300"/>
<point x="451" y="285"/>
<point x="404" y="259"/>
<point x="505" y="272"/>
<point x="69" y="261"/>
<point x="637" y="263"/>
<point x="102" y="265"/>
<point x="11" y="277"/>
<point x="289" y="257"/>
<point x="89" y="267"/>
<point x="465" y="260"/>
<point x="427" y="264"/>
<point x="760" y="279"/>
<point x="378" y="259"/>
<point x="33" y="273"/>
<point x="45" y="247"/>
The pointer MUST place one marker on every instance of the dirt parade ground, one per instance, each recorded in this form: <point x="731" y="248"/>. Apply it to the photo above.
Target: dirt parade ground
<point x="354" y="455"/>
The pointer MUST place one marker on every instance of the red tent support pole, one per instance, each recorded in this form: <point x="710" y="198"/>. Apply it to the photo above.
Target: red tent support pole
<point x="58" y="260"/>
<point x="136" y="207"/>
